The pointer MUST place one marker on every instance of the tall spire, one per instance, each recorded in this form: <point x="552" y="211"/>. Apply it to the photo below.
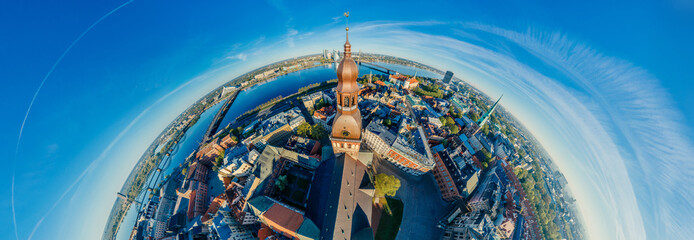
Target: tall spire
<point x="486" y="115"/>
<point x="348" y="47"/>
<point x="346" y="130"/>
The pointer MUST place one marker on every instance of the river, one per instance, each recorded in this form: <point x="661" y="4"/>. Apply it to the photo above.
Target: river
<point x="284" y="85"/>
<point x="288" y="84"/>
<point x="184" y="148"/>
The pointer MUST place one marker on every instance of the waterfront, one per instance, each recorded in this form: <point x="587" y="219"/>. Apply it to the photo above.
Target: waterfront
<point x="188" y="144"/>
<point x="288" y="84"/>
<point x="248" y="99"/>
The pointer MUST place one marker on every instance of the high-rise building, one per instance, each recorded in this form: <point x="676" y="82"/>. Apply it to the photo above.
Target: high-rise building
<point x="447" y="77"/>
<point x="346" y="132"/>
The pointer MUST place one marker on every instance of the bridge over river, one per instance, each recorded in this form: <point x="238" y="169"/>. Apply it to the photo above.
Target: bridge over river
<point x="214" y="126"/>
<point x="377" y="67"/>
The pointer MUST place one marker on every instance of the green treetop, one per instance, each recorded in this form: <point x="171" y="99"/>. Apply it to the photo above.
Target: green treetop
<point x="386" y="185"/>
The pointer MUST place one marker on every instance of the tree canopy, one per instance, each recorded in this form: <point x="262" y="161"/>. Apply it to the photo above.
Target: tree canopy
<point x="454" y="129"/>
<point x="386" y="185"/>
<point x="317" y="131"/>
<point x="304" y="129"/>
<point x="474" y="116"/>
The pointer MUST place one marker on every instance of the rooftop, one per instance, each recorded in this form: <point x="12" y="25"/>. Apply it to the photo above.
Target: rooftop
<point x="382" y="132"/>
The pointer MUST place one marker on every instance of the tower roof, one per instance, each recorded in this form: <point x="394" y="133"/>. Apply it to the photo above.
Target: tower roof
<point x="347" y="71"/>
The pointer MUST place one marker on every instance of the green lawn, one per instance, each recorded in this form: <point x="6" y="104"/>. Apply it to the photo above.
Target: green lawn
<point x="389" y="225"/>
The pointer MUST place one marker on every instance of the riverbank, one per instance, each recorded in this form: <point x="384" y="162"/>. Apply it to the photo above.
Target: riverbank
<point x="171" y="135"/>
<point x="257" y="78"/>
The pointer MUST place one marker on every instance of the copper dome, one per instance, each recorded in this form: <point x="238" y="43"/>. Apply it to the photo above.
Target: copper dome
<point x="347" y="71"/>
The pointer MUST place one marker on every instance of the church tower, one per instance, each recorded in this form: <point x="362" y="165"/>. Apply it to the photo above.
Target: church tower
<point x="346" y="132"/>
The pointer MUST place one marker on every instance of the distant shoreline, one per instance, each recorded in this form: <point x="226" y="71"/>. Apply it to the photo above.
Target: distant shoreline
<point x="177" y="128"/>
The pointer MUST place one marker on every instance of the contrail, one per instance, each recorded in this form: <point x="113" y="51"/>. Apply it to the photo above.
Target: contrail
<point x="33" y="99"/>
<point x="14" y="217"/>
<point x="108" y="148"/>
<point x="89" y="168"/>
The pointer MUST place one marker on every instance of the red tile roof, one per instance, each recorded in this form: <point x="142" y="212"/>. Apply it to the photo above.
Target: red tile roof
<point x="214" y="207"/>
<point x="264" y="232"/>
<point x="283" y="219"/>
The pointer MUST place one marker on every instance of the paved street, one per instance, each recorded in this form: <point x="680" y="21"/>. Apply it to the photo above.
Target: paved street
<point x="423" y="204"/>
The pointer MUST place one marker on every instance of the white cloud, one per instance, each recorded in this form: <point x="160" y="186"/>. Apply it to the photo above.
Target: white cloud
<point x="291" y="33"/>
<point x="240" y="56"/>
<point x="609" y="125"/>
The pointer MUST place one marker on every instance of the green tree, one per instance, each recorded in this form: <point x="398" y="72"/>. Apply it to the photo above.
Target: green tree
<point x="304" y="130"/>
<point x="449" y="121"/>
<point x="443" y="120"/>
<point x="318" y="131"/>
<point x="219" y="161"/>
<point x="474" y="116"/>
<point x="237" y="131"/>
<point x="484" y="155"/>
<point x="386" y="185"/>
<point x="320" y="104"/>
<point x="485" y="130"/>
<point x="281" y="182"/>
<point x="455" y="113"/>
<point x="386" y="122"/>
<point x="223" y="134"/>
<point x="454" y="129"/>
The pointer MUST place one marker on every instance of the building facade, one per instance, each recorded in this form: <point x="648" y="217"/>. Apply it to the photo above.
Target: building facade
<point x="445" y="180"/>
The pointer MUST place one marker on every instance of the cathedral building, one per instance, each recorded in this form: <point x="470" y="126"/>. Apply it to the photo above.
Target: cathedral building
<point x="346" y="130"/>
<point x="350" y="201"/>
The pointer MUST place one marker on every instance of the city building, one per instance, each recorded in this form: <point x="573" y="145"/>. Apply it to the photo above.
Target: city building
<point x="407" y="148"/>
<point x="228" y="90"/>
<point x="265" y="74"/>
<point x="224" y="227"/>
<point x="277" y="129"/>
<point x="403" y="82"/>
<point x="459" y="105"/>
<point x="323" y="116"/>
<point x="167" y="202"/>
<point x="378" y="138"/>
<point x="310" y="100"/>
<point x="283" y="219"/>
<point x="487" y="196"/>
<point x="227" y="142"/>
<point x="447" y="77"/>
<point x="209" y="153"/>
<point x="471" y="225"/>
<point x="195" y="190"/>
<point x="445" y="178"/>
<point x="304" y="147"/>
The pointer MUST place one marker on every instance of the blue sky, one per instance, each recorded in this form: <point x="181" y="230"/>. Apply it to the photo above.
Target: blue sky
<point x="604" y="86"/>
